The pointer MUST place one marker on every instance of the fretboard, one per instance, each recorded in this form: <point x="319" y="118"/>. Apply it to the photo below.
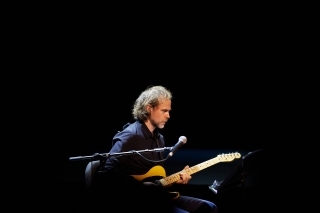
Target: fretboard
<point x="174" y="177"/>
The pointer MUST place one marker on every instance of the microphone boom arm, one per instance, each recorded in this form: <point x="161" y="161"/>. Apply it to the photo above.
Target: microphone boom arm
<point x="98" y="156"/>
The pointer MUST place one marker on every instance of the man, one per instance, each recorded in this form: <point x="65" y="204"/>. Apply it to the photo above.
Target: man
<point x="118" y="177"/>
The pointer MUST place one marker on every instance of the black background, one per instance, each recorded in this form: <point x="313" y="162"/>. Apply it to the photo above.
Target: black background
<point x="244" y="76"/>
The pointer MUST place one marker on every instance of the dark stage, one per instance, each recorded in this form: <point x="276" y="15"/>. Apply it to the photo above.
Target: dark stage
<point x="243" y="78"/>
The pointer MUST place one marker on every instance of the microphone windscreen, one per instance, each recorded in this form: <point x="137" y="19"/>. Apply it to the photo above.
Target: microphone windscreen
<point x="183" y="139"/>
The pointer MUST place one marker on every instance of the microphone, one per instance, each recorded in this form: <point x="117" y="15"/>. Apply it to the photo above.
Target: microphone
<point x="182" y="140"/>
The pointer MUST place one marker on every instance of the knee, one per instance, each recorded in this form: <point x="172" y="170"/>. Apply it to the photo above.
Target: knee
<point x="207" y="207"/>
<point x="214" y="209"/>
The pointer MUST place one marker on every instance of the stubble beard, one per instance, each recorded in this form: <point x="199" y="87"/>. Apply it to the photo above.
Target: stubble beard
<point x="158" y="125"/>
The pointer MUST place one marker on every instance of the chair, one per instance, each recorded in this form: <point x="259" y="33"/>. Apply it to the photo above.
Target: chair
<point x="90" y="172"/>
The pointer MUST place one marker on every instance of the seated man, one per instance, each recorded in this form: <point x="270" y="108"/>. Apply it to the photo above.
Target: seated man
<point x="117" y="179"/>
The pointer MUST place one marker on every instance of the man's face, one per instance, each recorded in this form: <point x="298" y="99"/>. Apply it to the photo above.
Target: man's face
<point x="160" y="115"/>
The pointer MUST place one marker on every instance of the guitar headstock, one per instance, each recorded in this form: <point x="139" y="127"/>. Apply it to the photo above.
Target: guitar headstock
<point x="228" y="157"/>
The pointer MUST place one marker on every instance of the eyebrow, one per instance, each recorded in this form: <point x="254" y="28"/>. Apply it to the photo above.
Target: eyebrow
<point x="166" y="109"/>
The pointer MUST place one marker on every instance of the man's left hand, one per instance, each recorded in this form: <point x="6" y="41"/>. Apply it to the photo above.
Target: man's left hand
<point x="184" y="176"/>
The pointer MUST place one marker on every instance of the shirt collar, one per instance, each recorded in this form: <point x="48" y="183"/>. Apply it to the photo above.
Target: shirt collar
<point x="147" y="132"/>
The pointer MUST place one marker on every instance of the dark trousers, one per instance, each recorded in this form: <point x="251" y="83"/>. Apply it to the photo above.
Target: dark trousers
<point x="117" y="194"/>
<point x="185" y="204"/>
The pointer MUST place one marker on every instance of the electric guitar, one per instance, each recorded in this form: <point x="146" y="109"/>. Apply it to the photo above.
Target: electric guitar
<point x="157" y="172"/>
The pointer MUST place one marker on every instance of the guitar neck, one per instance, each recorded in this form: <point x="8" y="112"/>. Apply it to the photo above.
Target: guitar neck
<point x="174" y="177"/>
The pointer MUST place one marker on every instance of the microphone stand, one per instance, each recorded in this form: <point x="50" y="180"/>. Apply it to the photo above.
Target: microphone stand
<point x="104" y="156"/>
<point x="139" y="151"/>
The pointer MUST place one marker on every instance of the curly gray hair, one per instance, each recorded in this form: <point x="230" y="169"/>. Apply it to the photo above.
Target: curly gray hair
<point x="153" y="95"/>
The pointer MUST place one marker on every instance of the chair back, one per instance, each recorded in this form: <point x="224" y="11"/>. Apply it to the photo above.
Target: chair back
<point x="90" y="172"/>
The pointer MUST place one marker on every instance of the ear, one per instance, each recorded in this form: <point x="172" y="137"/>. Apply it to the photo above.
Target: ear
<point x="149" y="107"/>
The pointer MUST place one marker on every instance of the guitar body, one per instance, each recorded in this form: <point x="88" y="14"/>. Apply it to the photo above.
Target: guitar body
<point x="155" y="173"/>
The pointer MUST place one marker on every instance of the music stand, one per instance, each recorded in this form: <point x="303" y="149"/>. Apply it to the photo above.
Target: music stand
<point x="245" y="166"/>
